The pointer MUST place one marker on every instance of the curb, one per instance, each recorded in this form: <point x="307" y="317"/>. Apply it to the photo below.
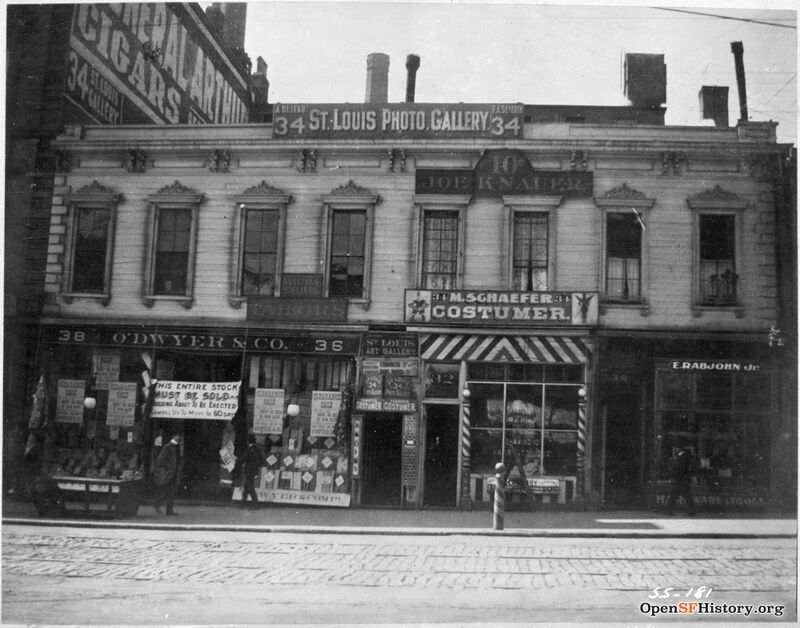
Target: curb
<point x="398" y="531"/>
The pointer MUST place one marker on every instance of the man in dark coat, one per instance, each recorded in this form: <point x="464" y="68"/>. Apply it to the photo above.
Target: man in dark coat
<point x="682" y="470"/>
<point x="250" y="462"/>
<point x="166" y="474"/>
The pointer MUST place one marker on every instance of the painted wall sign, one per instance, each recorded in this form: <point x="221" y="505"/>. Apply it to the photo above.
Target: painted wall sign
<point x="488" y="307"/>
<point x="293" y="310"/>
<point x="255" y="340"/>
<point x="443" y="181"/>
<point x="397" y="120"/>
<point x="391" y="345"/>
<point x="508" y="172"/>
<point x="364" y="404"/>
<point x="301" y="285"/>
<point x="151" y="63"/>
<point x="306" y="498"/>
<point x="408" y="367"/>
<point x="196" y="400"/>
<point x="713" y="365"/>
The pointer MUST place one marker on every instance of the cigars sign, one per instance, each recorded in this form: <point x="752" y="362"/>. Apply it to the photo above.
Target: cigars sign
<point x="489" y="307"/>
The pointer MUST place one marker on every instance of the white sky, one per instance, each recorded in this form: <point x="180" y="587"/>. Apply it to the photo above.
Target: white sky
<point x="529" y="52"/>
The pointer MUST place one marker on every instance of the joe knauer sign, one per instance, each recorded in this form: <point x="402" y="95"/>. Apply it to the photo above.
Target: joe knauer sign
<point x="489" y="307"/>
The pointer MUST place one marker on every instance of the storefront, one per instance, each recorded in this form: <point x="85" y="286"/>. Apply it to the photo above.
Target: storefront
<point x="659" y="396"/>
<point x="213" y="387"/>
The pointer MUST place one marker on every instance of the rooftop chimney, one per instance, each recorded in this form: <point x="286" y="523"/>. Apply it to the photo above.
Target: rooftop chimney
<point x="714" y="104"/>
<point x="738" y="53"/>
<point x="260" y="83"/>
<point x="234" y="22"/>
<point x="377" y="78"/>
<point x="645" y="80"/>
<point x="412" y="65"/>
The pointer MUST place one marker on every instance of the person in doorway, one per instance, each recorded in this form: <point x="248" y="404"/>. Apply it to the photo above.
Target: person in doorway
<point x="683" y="468"/>
<point x="166" y="475"/>
<point x="250" y="462"/>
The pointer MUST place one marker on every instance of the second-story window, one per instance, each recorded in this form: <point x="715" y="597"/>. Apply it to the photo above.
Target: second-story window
<point x="260" y="252"/>
<point x="173" y="246"/>
<point x="347" y="253"/>
<point x="717" y="259"/>
<point x="530" y="260"/>
<point x="623" y="257"/>
<point x="90" y="243"/>
<point x="440" y="250"/>
<point x="349" y="212"/>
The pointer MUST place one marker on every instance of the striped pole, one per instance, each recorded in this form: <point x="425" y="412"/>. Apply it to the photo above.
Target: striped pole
<point x="581" y="459"/>
<point x="499" y="495"/>
<point x="466" y="498"/>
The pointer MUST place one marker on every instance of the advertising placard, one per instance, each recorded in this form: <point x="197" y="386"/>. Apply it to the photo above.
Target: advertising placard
<point x="69" y="402"/>
<point x="268" y="411"/>
<point x="121" y="404"/>
<point x="196" y="400"/>
<point x="107" y="368"/>
<point x="493" y="307"/>
<point x="325" y="407"/>
<point x="398" y="120"/>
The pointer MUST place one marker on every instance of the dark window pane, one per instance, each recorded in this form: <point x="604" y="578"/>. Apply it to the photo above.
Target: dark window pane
<point x="718" y="276"/>
<point x="347" y="254"/>
<point x="623" y="253"/>
<point x="440" y="250"/>
<point x="260" y="252"/>
<point x="91" y="243"/>
<point x="172" y="252"/>
<point x="530" y="251"/>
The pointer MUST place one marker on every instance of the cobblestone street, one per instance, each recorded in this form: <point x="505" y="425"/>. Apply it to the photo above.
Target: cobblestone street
<point x="128" y="576"/>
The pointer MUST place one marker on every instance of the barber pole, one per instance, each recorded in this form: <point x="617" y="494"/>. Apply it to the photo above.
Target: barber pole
<point x="581" y="459"/>
<point x="499" y="495"/>
<point x="466" y="498"/>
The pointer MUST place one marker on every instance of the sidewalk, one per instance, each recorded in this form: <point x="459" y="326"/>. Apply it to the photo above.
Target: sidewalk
<point x="543" y="523"/>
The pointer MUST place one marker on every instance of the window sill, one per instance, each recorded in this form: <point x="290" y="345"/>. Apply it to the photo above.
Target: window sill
<point x="364" y="304"/>
<point x="699" y="309"/>
<point x="236" y="302"/>
<point x="642" y="306"/>
<point x="69" y="297"/>
<point x="151" y="299"/>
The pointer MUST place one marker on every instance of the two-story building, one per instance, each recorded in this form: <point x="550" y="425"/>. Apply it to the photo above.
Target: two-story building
<point x="397" y="296"/>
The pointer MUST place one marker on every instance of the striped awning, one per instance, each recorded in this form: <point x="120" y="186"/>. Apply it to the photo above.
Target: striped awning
<point x="479" y="348"/>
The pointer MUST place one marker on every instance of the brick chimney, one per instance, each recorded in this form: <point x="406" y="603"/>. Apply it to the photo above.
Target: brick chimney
<point x="714" y="104"/>
<point x="412" y="65"/>
<point x="645" y="80"/>
<point x="377" y="78"/>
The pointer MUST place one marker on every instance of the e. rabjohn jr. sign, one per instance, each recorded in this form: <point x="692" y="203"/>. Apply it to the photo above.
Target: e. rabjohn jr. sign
<point x="490" y="307"/>
<point x="399" y="120"/>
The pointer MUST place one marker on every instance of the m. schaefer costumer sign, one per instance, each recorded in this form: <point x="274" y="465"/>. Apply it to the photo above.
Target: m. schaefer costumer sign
<point x="487" y="307"/>
<point x="151" y="62"/>
<point x="400" y="120"/>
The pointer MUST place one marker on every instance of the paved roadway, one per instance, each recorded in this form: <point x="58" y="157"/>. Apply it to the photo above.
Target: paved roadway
<point x="102" y="576"/>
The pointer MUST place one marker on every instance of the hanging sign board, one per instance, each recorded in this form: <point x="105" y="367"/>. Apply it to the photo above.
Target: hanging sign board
<point x="121" y="404"/>
<point x="196" y="400"/>
<point x="325" y="407"/>
<point x="268" y="411"/>
<point x="69" y="403"/>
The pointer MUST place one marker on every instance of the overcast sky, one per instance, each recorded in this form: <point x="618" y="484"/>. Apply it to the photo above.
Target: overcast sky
<point x="529" y="52"/>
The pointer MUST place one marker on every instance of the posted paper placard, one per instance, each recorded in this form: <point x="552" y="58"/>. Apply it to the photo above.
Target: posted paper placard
<point x="196" y="400"/>
<point x="69" y="404"/>
<point x="268" y="411"/>
<point x="324" y="411"/>
<point x="121" y="403"/>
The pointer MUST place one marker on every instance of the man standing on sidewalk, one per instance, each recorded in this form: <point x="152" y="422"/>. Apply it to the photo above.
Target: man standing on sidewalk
<point x="682" y="470"/>
<point x="166" y="474"/>
<point x="251" y="461"/>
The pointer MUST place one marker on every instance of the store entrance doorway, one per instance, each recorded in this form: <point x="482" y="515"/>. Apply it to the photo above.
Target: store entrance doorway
<point x="382" y="460"/>
<point x="441" y="455"/>
<point x="623" y="443"/>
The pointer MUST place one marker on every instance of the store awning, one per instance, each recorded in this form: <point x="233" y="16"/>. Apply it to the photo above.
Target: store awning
<point x="482" y="348"/>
